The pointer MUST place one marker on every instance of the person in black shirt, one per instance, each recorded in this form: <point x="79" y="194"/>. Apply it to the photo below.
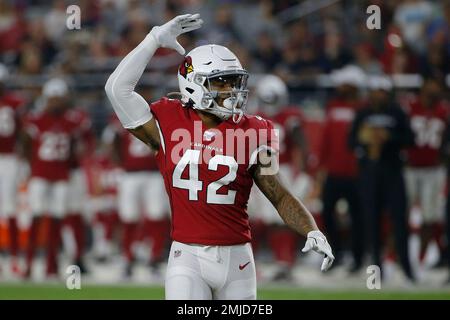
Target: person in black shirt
<point x="379" y="133"/>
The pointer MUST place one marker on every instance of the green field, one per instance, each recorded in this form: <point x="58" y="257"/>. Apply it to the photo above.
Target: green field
<point x="46" y="291"/>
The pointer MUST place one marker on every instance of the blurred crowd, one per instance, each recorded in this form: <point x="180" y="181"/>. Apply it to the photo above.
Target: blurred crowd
<point x="366" y="150"/>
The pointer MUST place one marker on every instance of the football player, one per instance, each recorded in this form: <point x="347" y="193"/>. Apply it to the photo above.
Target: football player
<point x="208" y="180"/>
<point x="140" y="189"/>
<point x="10" y="112"/>
<point x="77" y="196"/>
<point x="49" y="144"/>
<point x="425" y="176"/>
<point x="103" y="176"/>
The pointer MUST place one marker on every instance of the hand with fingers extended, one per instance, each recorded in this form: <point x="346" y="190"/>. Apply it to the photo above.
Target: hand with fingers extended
<point x="166" y="35"/>
<point x="317" y="242"/>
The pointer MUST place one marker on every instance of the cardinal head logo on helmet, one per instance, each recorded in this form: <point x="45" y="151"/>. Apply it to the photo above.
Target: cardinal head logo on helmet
<point x="186" y="67"/>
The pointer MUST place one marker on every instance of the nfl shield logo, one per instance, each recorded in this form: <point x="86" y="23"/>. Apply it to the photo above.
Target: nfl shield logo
<point x="177" y="253"/>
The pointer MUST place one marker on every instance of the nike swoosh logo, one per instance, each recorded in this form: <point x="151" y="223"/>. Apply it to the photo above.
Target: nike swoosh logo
<point x="242" y="266"/>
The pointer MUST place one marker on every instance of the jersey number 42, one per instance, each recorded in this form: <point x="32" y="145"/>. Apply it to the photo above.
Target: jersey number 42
<point x="194" y="185"/>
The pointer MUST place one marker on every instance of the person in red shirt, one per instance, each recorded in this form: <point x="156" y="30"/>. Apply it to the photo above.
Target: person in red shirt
<point x="141" y="196"/>
<point x="10" y="124"/>
<point x="425" y="174"/>
<point x="83" y="146"/>
<point x="102" y="177"/>
<point x="49" y="141"/>
<point x="209" y="152"/>
<point x="338" y="163"/>
<point x="272" y="96"/>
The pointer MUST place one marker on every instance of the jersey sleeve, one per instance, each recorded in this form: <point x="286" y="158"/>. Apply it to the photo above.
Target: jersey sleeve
<point x="268" y="140"/>
<point x="273" y="141"/>
<point x="164" y="108"/>
<point x="164" y="112"/>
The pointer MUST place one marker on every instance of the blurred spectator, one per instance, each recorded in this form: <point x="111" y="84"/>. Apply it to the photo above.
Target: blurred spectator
<point x="438" y="31"/>
<point x="435" y="63"/>
<point x="30" y="60"/>
<point x="365" y="59"/>
<point x="97" y="57"/>
<point x="276" y="6"/>
<point x="267" y="52"/>
<point x="90" y="12"/>
<point x="396" y="57"/>
<point x="12" y="28"/>
<point x="38" y="36"/>
<point x="412" y="16"/>
<point x="222" y="31"/>
<point x="301" y="61"/>
<point x="55" y="20"/>
<point x="338" y="164"/>
<point x="135" y="31"/>
<point x="335" y="55"/>
<point x="379" y="133"/>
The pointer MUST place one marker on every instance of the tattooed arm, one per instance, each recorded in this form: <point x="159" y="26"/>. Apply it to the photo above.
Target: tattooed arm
<point x="148" y="133"/>
<point x="292" y="211"/>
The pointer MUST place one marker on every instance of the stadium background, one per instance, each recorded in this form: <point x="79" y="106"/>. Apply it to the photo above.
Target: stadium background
<point x="301" y="41"/>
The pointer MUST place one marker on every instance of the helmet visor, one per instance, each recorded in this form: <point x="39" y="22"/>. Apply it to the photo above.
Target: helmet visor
<point x="228" y="82"/>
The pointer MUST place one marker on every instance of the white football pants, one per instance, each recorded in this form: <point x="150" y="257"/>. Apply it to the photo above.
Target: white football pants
<point x="198" y="272"/>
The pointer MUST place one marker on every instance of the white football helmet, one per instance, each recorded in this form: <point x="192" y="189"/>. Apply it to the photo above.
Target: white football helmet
<point x="272" y="92"/>
<point x="209" y="64"/>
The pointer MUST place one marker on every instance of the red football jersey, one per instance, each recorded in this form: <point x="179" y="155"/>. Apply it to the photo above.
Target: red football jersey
<point x="428" y="125"/>
<point x="207" y="172"/>
<point x="85" y="143"/>
<point x="134" y="154"/>
<point x="52" y="142"/>
<point x="9" y="122"/>
<point x="102" y="174"/>
<point x="335" y="154"/>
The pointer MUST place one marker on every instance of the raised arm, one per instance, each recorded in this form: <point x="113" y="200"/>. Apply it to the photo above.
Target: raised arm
<point x="131" y="108"/>
<point x="293" y="213"/>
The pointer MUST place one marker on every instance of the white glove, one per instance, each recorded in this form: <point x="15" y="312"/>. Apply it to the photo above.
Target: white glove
<point x="131" y="109"/>
<point x="318" y="242"/>
<point x="166" y="35"/>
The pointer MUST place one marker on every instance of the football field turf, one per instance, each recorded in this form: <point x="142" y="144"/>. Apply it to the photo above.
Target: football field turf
<point x="57" y="291"/>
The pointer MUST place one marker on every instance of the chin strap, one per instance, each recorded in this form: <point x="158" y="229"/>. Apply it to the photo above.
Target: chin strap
<point x="231" y="104"/>
<point x="239" y="115"/>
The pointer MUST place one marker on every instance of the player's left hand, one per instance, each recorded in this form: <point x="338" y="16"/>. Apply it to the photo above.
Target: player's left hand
<point x="166" y="35"/>
<point x="318" y="242"/>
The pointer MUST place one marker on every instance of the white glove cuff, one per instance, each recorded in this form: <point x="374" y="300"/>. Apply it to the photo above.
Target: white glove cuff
<point x="316" y="234"/>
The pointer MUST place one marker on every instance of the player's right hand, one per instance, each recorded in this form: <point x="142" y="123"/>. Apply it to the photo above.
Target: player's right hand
<point x="166" y="35"/>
